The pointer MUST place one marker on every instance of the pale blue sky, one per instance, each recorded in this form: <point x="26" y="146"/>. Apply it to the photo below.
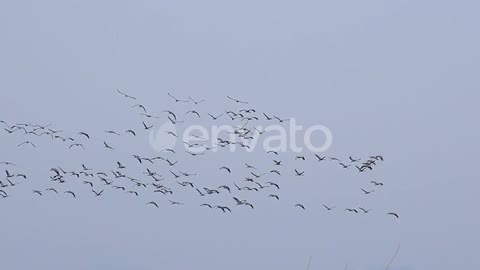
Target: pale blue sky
<point x="398" y="78"/>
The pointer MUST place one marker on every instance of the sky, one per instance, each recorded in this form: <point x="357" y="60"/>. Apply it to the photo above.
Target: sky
<point x="397" y="78"/>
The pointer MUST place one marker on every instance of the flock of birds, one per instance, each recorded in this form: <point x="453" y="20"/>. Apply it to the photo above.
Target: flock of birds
<point x="119" y="178"/>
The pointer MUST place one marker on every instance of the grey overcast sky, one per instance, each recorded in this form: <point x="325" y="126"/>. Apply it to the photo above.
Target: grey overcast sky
<point x="398" y="78"/>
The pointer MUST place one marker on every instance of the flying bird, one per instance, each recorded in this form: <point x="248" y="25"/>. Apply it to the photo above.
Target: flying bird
<point x="299" y="173"/>
<point x="168" y="150"/>
<point x="140" y="106"/>
<point x="174" y="122"/>
<point x="10" y="131"/>
<point x="328" y="208"/>
<point x="125" y="95"/>
<point x="267" y="117"/>
<point x="176" y="99"/>
<point x="133" y="192"/>
<point x="237" y="101"/>
<point x="131" y="132"/>
<point x="280" y="120"/>
<point x="149" y="115"/>
<point x="215" y="117"/>
<point x="184" y="184"/>
<point x="9" y="175"/>
<point x="146" y="127"/>
<point x="193" y="112"/>
<point x="84" y="134"/>
<point x="52" y="189"/>
<point x="97" y="194"/>
<point x="88" y="183"/>
<point x="275" y="171"/>
<point x="299" y="205"/>
<point x="175" y="203"/>
<point x="274" y="196"/>
<point x="344" y="166"/>
<point x="353" y="160"/>
<point x="7" y="163"/>
<point x="273" y="184"/>
<point x="171" y="113"/>
<point x="153" y="203"/>
<point x="223" y="208"/>
<point x="364" y="210"/>
<point x="367" y="192"/>
<point x="227" y="188"/>
<point x="108" y="146"/>
<point x="393" y="214"/>
<point x="112" y="132"/>
<point x="85" y="168"/>
<point x="71" y="193"/>
<point x="196" y="102"/>
<point x="376" y="183"/>
<point x="173" y="134"/>
<point x="28" y="142"/>
<point x="201" y="194"/>
<point x="77" y="145"/>
<point x="250" y="166"/>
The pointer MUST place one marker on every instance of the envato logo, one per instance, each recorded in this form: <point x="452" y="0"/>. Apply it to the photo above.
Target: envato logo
<point x="279" y="138"/>
<point x="164" y="138"/>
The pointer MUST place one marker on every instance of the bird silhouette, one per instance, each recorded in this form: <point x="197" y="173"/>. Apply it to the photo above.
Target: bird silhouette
<point x="393" y="214"/>
<point x="176" y="99"/>
<point x="71" y="193"/>
<point x="153" y="203"/>
<point x="329" y="208"/>
<point x="125" y="95"/>
<point x="144" y="176"/>
<point x="237" y="100"/>
<point x="196" y="102"/>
